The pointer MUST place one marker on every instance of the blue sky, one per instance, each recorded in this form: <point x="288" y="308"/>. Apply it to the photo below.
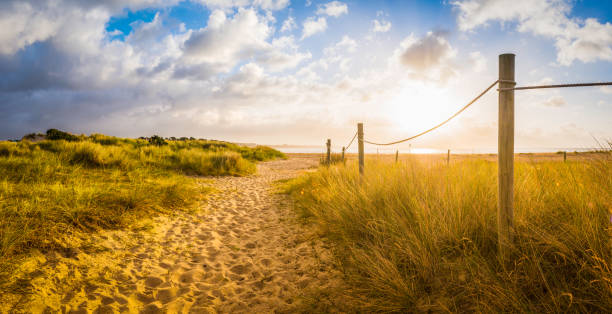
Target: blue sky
<point x="298" y="72"/>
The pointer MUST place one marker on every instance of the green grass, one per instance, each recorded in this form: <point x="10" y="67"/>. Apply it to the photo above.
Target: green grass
<point x="416" y="238"/>
<point x="52" y="189"/>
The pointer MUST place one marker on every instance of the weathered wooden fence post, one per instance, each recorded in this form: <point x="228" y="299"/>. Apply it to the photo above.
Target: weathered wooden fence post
<point x="396" y="156"/>
<point x="328" y="160"/>
<point x="505" y="147"/>
<point x="360" y="145"/>
<point x="448" y="157"/>
<point x="564" y="156"/>
<point x="343" y="150"/>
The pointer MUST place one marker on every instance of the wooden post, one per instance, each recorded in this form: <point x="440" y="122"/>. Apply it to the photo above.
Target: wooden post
<point x="360" y="145"/>
<point x="396" y="156"/>
<point x="505" y="147"/>
<point x="564" y="156"/>
<point x="328" y="159"/>
<point x="343" y="150"/>
<point x="448" y="157"/>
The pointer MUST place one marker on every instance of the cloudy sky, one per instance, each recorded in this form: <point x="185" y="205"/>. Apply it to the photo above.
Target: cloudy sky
<point x="298" y="72"/>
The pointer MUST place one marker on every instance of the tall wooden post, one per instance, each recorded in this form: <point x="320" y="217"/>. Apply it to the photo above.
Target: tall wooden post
<point x="328" y="159"/>
<point x="505" y="147"/>
<point x="343" y="150"/>
<point x="564" y="156"/>
<point x="360" y="145"/>
<point x="448" y="157"/>
<point x="396" y="156"/>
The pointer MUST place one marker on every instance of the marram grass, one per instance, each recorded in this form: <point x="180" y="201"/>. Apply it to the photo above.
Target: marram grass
<point x="52" y="189"/>
<point x="416" y="238"/>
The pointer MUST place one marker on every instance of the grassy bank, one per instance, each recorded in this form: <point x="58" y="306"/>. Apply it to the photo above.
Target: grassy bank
<point x="414" y="237"/>
<point x="52" y="189"/>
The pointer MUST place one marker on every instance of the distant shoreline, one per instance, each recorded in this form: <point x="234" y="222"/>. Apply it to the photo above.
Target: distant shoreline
<point x="311" y="149"/>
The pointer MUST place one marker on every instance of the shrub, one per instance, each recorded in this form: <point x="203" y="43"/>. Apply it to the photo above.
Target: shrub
<point x="104" y="139"/>
<point x="55" y="134"/>
<point x="157" y="141"/>
<point x="34" y="137"/>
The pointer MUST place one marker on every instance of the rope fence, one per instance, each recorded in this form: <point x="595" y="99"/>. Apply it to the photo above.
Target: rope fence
<point x="505" y="153"/>
<point x="439" y="125"/>
<point x="555" y="86"/>
<point x="351" y="142"/>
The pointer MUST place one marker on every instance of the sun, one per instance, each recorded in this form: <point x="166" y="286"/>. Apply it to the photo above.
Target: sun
<point x="417" y="108"/>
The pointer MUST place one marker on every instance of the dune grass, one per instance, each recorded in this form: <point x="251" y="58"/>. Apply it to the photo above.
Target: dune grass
<point x="334" y="159"/>
<point x="52" y="189"/>
<point x="414" y="238"/>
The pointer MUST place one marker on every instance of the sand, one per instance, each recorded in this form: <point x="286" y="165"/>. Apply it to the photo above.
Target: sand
<point x="245" y="251"/>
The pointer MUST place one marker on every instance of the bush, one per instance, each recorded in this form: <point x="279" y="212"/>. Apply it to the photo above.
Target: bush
<point x="104" y="139"/>
<point x="34" y="137"/>
<point x="55" y="134"/>
<point x="157" y="141"/>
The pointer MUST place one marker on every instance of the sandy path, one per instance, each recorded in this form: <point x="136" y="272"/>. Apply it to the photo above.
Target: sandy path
<point x="245" y="252"/>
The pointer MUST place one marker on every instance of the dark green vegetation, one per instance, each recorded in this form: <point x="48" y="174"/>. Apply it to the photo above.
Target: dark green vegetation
<point x="416" y="238"/>
<point x="54" y="188"/>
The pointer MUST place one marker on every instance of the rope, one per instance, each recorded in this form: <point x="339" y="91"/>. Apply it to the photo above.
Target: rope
<point x="351" y="142"/>
<point x="554" y="86"/>
<point x="441" y="124"/>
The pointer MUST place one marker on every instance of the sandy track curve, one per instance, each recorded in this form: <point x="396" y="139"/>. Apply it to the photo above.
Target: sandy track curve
<point x="245" y="252"/>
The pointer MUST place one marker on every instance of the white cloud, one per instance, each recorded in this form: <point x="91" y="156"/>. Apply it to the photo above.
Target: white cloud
<point x="345" y="44"/>
<point x="606" y="89"/>
<point x="22" y="24"/>
<point x="282" y="55"/>
<point x="429" y="58"/>
<point x="115" y="33"/>
<point x="225" y="42"/>
<point x="381" y="26"/>
<point x="312" y="26"/>
<point x="263" y="4"/>
<point x="288" y="24"/>
<point x="555" y="101"/>
<point x="478" y="61"/>
<point x="575" y="39"/>
<point x="271" y="4"/>
<point x="334" y="8"/>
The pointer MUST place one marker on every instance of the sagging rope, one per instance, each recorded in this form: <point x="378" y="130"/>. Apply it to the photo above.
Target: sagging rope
<point x="351" y="142"/>
<point x="439" y="125"/>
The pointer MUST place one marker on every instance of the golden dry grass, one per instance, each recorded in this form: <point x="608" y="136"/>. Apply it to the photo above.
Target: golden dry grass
<point x="421" y="236"/>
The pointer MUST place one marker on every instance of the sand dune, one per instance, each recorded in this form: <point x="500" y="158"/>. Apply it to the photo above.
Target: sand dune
<point x="245" y="252"/>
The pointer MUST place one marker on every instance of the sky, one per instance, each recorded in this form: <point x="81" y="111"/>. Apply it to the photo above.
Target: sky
<point x="299" y="72"/>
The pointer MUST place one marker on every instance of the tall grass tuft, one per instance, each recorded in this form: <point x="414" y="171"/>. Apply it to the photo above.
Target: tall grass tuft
<point x="416" y="238"/>
<point x="196" y="162"/>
